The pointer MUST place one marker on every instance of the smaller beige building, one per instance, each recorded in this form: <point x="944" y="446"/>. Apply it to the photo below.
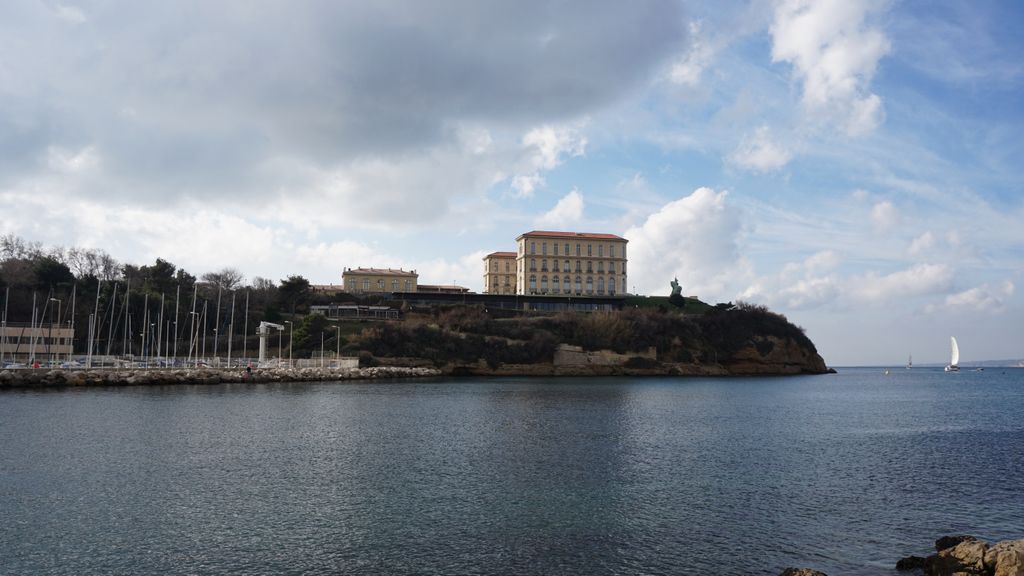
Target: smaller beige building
<point x="379" y="280"/>
<point x="500" y="273"/>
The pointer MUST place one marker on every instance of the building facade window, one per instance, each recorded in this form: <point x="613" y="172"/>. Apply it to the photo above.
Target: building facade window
<point x="567" y="285"/>
<point x="533" y="284"/>
<point x="600" y="250"/>
<point x="533" y="248"/>
<point x="623" y="285"/>
<point x="544" y="248"/>
<point x="543" y="283"/>
<point x="611" y="251"/>
<point x="394" y="285"/>
<point x="579" y="267"/>
<point x="566" y="248"/>
<point x="554" y="284"/>
<point x="577" y="249"/>
<point x="590" y="267"/>
<point x="554" y="247"/>
<point x="579" y="285"/>
<point x="590" y="250"/>
<point x="544" y="265"/>
<point x="600" y="267"/>
<point x="600" y="285"/>
<point x="366" y="284"/>
<point x="590" y="285"/>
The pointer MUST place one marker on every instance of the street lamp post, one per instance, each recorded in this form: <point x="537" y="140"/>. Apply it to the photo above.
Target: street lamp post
<point x="193" y="336"/>
<point x="337" y="338"/>
<point x="50" y="344"/>
<point x="290" y="333"/>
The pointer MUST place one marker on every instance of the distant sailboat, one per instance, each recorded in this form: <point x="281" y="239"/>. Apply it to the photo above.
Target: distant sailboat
<point x="954" y="357"/>
<point x="910" y="362"/>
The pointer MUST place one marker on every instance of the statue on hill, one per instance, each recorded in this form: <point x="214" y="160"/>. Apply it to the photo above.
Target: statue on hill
<point x="676" y="298"/>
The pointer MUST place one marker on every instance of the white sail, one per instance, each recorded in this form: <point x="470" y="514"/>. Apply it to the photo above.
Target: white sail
<point x="954" y="356"/>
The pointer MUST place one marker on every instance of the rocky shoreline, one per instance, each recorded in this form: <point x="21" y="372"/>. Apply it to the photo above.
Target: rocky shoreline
<point x="56" y="378"/>
<point x="960" y="555"/>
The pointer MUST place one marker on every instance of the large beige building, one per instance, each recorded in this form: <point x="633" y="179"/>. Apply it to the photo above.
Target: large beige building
<point x="378" y="280"/>
<point x="500" y="273"/>
<point x="571" y="263"/>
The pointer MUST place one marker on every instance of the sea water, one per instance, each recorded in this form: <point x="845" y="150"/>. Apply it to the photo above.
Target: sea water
<point x="844" y="473"/>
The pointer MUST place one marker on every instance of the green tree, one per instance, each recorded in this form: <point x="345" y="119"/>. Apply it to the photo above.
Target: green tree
<point x="159" y="278"/>
<point x="307" y="334"/>
<point x="49" y="272"/>
<point x="294" y="292"/>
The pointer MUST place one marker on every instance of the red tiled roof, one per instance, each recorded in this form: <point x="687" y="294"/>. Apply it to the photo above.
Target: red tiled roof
<point x="381" y="272"/>
<point x="590" y="235"/>
<point x="501" y="255"/>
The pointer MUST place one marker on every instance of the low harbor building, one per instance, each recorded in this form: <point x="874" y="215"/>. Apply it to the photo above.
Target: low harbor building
<point x="379" y="280"/>
<point x="42" y="342"/>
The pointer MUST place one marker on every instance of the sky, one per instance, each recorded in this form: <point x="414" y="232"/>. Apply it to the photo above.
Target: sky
<point x="852" y="164"/>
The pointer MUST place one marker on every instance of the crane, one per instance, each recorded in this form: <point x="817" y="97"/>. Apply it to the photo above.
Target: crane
<point x="263" y="331"/>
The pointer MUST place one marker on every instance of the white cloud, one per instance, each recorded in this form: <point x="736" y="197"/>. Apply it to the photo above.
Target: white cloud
<point x="834" y="52"/>
<point x="759" y="152"/>
<point x="328" y="260"/>
<point x="984" y="298"/>
<point x="72" y="14"/>
<point x="688" y="69"/>
<point x="798" y="285"/>
<point x="550" y="143"/>
<point x="467" y="270"/>
<point x="918" y="280"/>
<point x="922" y="244"/>
<point x="693" y="238"/>
<point x="884" y="215"/>
<point x="525" y="184"/>
<point x="544" y="148"/>
<point x="66" y="161"/>
<point x="567" y="212"/>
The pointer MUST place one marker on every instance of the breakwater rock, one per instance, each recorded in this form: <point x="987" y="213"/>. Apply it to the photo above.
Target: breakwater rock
<point x="37" y="378"/>
<point x="967" y="556"/>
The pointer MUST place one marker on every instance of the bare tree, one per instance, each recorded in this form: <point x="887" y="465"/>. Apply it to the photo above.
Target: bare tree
<point x="14" y="247"/>
<point x="225" y="279"/>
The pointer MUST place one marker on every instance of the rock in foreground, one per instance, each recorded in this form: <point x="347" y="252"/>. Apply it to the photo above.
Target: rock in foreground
<point x="967" y="556"/>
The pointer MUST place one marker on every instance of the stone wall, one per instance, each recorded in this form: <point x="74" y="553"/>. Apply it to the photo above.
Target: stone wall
<point x="38" y="378"/>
